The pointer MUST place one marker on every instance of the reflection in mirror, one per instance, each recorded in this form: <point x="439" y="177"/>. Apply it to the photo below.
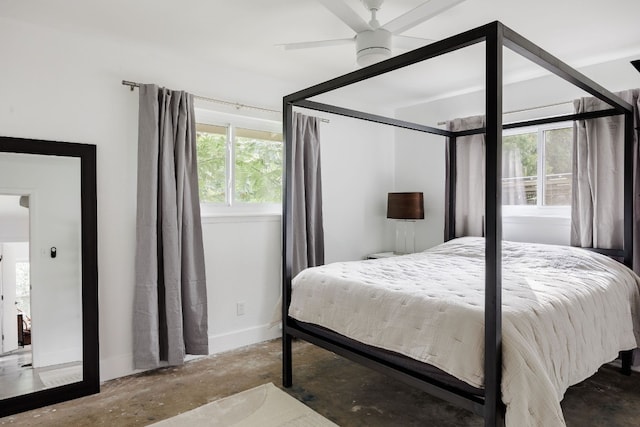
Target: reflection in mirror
<point x="48" y="280"/>
<point x="42" y="347"/>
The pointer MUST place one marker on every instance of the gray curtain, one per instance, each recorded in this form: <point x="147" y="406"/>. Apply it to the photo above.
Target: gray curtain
<point x="170" y="303"/>
<point x="598" y="159"/>
<point x="470" y="177"/>
<point x="513" y="185"/>
<point x="308" y="233"/>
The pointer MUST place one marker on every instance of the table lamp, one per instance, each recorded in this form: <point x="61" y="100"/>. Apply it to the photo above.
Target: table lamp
<point x="406" y="208"/>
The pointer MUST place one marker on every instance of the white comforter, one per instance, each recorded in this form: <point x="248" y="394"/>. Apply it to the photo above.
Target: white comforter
<point x="566" y="311"/>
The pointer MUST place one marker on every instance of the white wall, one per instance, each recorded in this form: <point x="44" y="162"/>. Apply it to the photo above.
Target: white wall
<point x="357" y="174"/>
<point x="420" y="166"/>
<point x="58" y="86"/>
<point x="243" y="264"/>
<point x="420" y="158"/>
<point x="14" y="229"/>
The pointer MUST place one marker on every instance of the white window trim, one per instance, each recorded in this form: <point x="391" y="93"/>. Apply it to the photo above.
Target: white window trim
<point x="536" y="211"/>
<point x="539" y="210"/>
<point x="232" y="121"/>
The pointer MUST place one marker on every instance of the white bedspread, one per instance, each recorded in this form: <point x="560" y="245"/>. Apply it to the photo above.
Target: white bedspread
<point x="566" y="311"/>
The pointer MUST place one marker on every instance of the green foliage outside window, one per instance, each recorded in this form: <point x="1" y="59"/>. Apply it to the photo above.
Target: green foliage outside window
<point x="558" y="166"/>
<point x="558" y="151"/>
<point x="522" y="148"/>
<point x="211" y="149"/>
<point x="257" y="169"/>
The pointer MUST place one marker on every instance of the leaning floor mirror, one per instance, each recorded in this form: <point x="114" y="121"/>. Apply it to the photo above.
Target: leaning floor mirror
<point x="48" y="273"/>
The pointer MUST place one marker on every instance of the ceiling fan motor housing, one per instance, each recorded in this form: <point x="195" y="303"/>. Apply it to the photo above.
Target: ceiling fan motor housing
<point x="373" y="4"/>
<point x="373" y="46"/>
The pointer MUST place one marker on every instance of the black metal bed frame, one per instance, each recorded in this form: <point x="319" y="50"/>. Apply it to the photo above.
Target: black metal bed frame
<point x="495" y="35"/>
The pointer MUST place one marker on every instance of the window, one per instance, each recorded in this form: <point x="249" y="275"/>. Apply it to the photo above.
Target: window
<point x="536" y="166"/>
<point x="239" y="166"/>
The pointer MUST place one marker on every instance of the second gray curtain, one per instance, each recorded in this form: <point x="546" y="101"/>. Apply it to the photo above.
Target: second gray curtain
<point x="598" y="158"/>
<point x="470" y="177"/>
<point x="308" y="232"/>
<point x="170" y="303"/>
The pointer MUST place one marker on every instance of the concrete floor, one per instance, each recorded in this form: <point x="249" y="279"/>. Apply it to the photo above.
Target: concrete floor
<point x="342" y="391"/>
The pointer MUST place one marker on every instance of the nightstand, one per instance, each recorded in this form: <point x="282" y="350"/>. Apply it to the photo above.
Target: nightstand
<point x="382" y="255"/>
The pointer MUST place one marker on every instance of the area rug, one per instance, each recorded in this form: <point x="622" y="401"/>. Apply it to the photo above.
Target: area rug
<point x="263" y="406"/>
<point x="61" y="376"/>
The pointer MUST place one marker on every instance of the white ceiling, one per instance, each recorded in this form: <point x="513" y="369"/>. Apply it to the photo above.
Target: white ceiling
<point x="243" y="34"/>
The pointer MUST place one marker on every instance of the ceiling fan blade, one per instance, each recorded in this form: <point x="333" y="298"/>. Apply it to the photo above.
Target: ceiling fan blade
<point x="409" y="43"/>
<point x="419" y="14"/>
<point x="321" y="43"/>
<point x="346" y="14"/>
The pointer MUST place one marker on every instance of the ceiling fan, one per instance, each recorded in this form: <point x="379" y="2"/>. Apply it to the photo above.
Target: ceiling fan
<point x="373" y="41"/>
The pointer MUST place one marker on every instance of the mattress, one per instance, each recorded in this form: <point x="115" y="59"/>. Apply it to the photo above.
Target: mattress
<point x="566" y="311"/>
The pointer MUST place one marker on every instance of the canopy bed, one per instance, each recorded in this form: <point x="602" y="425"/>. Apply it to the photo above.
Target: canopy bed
<point x="475" y="382"/>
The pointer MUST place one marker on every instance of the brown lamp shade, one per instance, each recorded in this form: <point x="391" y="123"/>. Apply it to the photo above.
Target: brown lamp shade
<point x="405" y="206"/>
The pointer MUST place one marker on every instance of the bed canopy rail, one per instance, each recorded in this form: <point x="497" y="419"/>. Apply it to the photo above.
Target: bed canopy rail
<point x="311" y="105"/>
<point x="495" y="35"/>
<point x="327" y="108"/>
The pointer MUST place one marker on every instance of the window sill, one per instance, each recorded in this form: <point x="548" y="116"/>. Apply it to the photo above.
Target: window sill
<point x="235" y="216"/>
<point x="530" y="220"/>
<point x="551" y="212"/>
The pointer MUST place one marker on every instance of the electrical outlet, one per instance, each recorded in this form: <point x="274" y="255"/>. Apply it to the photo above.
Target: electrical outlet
<point x="240" y="308"/>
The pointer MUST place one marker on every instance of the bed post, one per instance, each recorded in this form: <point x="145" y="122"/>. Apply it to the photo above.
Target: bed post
<point x="628" y="189"/>
<point x="287" y="240"/>
<point x="626" y="357"/>
<point x="450" y="195"/>
<point x="494" y="415"/>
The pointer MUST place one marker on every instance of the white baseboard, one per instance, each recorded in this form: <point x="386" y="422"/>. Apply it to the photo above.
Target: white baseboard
<point x="116" y="367"/>
<point x="120" y="366"/>
<point x="236" y="339"/>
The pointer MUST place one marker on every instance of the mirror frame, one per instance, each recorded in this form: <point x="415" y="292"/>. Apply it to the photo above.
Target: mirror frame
<point x="90" y="383"/>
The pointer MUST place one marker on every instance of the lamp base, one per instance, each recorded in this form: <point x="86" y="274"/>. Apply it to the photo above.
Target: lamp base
<point x="405" y="237"/>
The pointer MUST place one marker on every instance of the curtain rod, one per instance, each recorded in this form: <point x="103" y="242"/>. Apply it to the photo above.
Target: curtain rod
<point x="526" y="109"/>
<point x="237" y="105"/>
